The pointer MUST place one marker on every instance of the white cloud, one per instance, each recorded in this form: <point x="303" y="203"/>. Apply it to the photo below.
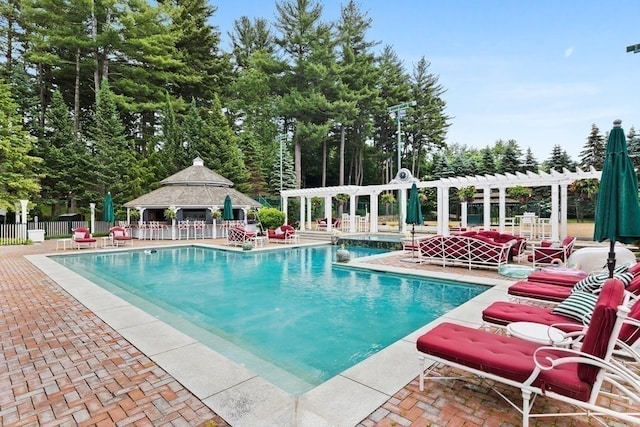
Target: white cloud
<point x="568" y="52"/>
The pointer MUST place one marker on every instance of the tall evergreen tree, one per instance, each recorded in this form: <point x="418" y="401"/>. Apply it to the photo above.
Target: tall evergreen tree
<point x="288" y="173"/>
<point x="395" y="88"/>
<point x="510" y="162"/>
<point x="530" y="163"/>
<point x="488" y="165"/>
<point x="248" y="38"/>
<point x="308" y="46"/>
<point x="559" y="159"/>
<point x="633" y="147"/>
<point x="426" y="125"/>
<point x="17" y="178"/>
<point x="114" y="165"/>
<point x="592" y="153"/>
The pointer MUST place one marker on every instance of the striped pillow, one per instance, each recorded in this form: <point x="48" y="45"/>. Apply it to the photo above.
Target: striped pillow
<point x="594" y="282"/>
<point x="579" y="306"/>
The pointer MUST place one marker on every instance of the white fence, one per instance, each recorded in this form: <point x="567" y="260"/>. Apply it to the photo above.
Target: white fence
<point x="17" y="234"/>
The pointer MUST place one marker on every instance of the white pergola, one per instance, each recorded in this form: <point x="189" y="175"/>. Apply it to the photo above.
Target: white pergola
<point x="558" y="181"/>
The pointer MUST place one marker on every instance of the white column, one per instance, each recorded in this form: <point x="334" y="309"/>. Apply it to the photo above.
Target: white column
<point x="327" y="212"/>
<point x="502" y="207"/>
<point x="464" y="208"/>
<point x="563" y="211"/>
<point x="439" y="204"/>
<point x="93" y="217"/>
<point x="352" y="213"/>
<point x="373" y="212"/>
<point x="555" y="235"/>
<point x="23" y="218"/>
<point x="308" y="218"/>
<point x="402" y="211"/>
<point x="445" y="211"/>
<point x="23" y="208"/>
<point x="486" y="207"/>
<point x="285" y="201"/>
<point x="173" y="223"/>
<point x="302" y="209"/>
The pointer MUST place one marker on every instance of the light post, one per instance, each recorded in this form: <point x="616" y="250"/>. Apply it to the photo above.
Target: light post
<point x="400" y="111"/>
<point x="281" y="139"/>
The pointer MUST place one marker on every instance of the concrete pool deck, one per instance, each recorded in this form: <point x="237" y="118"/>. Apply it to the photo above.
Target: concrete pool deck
<point x="89" y="358"/>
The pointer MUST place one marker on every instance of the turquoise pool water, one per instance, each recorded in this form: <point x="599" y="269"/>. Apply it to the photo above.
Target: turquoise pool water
<point x="291" y="316"/>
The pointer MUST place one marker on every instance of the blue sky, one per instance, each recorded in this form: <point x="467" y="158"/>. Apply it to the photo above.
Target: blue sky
<point x="541" y="72"/>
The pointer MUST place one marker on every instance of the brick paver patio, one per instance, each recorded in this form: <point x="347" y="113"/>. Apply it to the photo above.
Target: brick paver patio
<point x="61" y="365"/>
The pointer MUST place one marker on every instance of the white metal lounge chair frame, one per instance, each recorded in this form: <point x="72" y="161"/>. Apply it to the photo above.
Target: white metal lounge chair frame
<point x="622" y="379"/>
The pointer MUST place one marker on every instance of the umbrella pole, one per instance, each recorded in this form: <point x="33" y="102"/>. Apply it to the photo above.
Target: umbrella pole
<point x="413" y="240"/>
<point x="611" y="261"/>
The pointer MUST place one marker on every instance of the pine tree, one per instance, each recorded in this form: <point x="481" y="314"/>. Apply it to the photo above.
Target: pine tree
<point x="113" y="167"/>
<point x="510" y="162"/>
<point x="426" y="125"/>
<point x="559" y="159"/>
<point x="288" y="173"/>
<point x="530" y="163"/>
<point x="633" y="147"/>
<point x="488" y="162"/>
<point x="592" y="153"/>
<point x="17" y="178"/>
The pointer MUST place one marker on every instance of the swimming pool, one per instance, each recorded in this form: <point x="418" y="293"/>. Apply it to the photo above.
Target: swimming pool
<point x="290" y="316"/>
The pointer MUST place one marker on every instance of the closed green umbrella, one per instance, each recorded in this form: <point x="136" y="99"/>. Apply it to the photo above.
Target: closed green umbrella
<point x="107" y="212"/>
<point x="227" y="210"/>
<point x="414" y="213"/>
<point x="617" y="216"/>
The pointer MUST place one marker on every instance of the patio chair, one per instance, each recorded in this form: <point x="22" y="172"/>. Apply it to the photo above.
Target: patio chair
<point x="575" y="377"/>
<point x="502" y="313"/>
<point x="555" y="293"/>
<point x="119" y="236"/>
<point x="238" y="236"/>
<point x="82" y="238"/>
<point x="547" y="253"/>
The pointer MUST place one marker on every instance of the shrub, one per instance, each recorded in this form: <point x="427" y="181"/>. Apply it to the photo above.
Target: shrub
<point x="271" y="218"/>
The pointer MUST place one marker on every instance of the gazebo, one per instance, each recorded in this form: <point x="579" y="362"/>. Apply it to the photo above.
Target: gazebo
<point x="193" y="194"/>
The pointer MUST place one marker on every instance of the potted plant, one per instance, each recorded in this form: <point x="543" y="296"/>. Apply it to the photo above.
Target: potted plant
<point x="215" y="215"/>
<point x="519" y="193"/>
<point x="466" y="193"/>
<point x="251" y="217"/>
<point x="170" y="214"/>
<point x="134" y="214"/>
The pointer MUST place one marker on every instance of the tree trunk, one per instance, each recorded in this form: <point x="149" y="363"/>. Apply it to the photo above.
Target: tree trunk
<point x="76" y="98"/>
<point x="96" y="52"/>
<point x="297" y="152"/>
<point x="341" y="169"/>
<point x="324" y="163"/>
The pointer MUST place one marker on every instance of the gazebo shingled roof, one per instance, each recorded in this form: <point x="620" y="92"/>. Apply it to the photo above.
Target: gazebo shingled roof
<point x="194" y="187"/>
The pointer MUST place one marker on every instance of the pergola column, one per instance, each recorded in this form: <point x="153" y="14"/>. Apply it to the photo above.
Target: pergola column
<point x="502" y="207"/>
<point x="486" y="207"/>
<point x="563" y="210"/>
<point x="285" y="202"/>
<point x="554" y="213"/>
<point x="327" y="212"/>
<point x="402" y="211"/>
<point x="92" y="226"/>
<point x="464" y="210"/>
<point x="352" y="213"/>
<point x="302" y="209"/>
<point x="373" y="211"/>
<point x="308" y="217"/>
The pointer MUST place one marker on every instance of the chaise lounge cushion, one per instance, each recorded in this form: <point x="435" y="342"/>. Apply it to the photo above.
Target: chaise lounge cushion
<point x="500" y="355"/>
<point x="503" y="313"/>
<point x="539" y="290"/>
<point x="557" y="276"/>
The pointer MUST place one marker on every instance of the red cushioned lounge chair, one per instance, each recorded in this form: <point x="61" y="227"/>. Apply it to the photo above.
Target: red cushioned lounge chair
<point x="502" y="313"/>
<point x="572" y="376"/>
<point x="82" y="238"/>
<point x="120" y="236"/>
<point x="546" y="292"/>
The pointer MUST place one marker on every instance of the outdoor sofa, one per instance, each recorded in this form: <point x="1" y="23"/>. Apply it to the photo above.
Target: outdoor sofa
<point x="282" y="234"/>
<point x="460" y="250"/>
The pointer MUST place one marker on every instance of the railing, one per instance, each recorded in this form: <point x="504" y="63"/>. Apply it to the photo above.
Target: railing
<point x="17" y="234"/>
